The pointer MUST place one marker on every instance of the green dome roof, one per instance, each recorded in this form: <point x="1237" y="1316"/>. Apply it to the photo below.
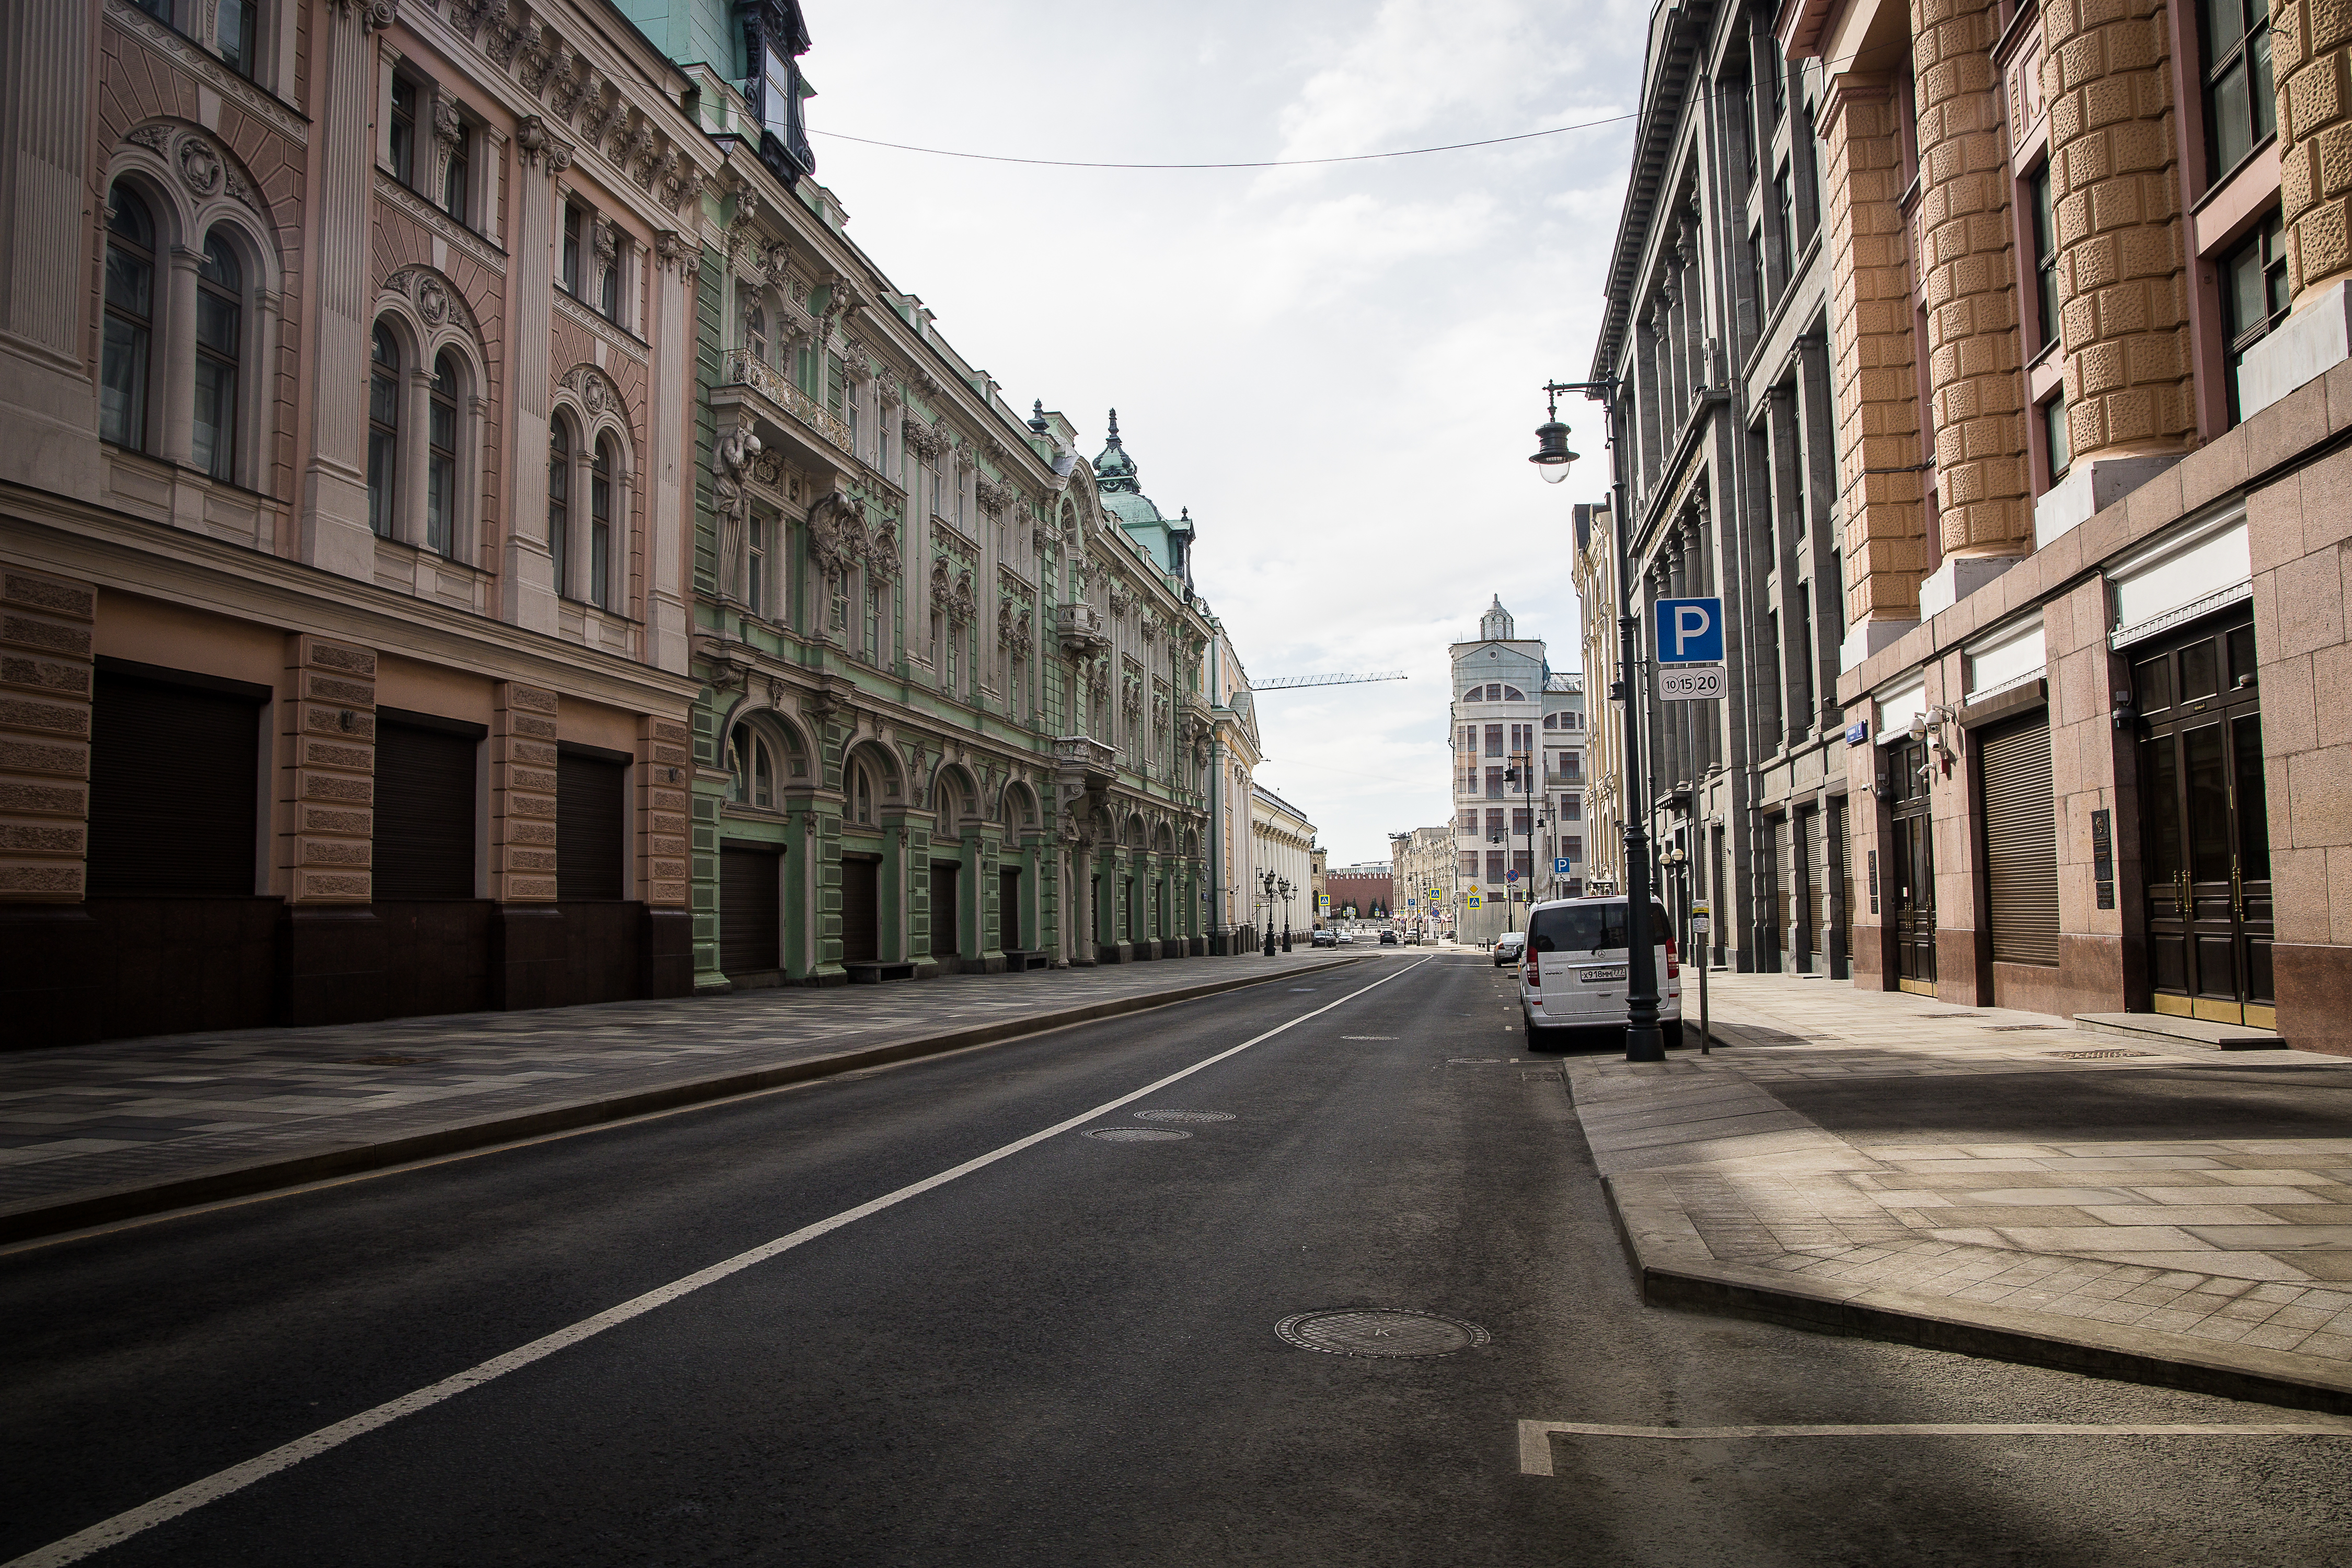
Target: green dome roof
<point x="1115" y="470"/>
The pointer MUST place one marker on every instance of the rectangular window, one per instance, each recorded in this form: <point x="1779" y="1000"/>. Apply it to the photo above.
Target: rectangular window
<point x="1469" y="867"/>
<point x="755" y="568"/>
<point x="402" y="143"/>
<point x="236" y="35"/>
<point x="1494" y="784"/>
<point x="599" y="530"/>
<point x="1470" y="820"/>
<point x="2054" y="428"/>
<point x="2240" y="112"/>
<point x="569" y="276"/>
<point x="1494" y="865"/>
<point x="1494" y="739"/>
<point x="1523" y="738"/>
<point x="1470" y="738"/>
<point x="1805" y="716"/>
<point x="1523" y="862"/>
<point x="1571" y="808"/>
<point x="1522" y="820"/>
<point x="1494" y="821"/>
<point x="2045" y="255"/>
<point x="836" y="387"/>
<point x="454" y="177"/>
<point x="2254" y="297"/>
<point x="441" y="462"/>
<point x="1573" y="847"/>
<point x="608" y="287"/>
<point x="874" y="625"/>
<point x="1784" y="197"/>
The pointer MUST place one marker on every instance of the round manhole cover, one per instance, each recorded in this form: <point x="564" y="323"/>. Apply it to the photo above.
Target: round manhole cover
<point x="1183" y="1116"/>
<point x="1380" y="1331"/>
<point x="1136" y="1135"/>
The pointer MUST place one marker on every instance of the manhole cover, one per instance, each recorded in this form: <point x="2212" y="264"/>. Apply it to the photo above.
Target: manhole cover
<point x="1183" y="1116"/>
<point x="2095" y="1056"/>
<point x="393" y="1061"/>
<point x="1136" y="1135"/>
<point x="2015" y="1028"/>
<point x="1380" y="1331"/>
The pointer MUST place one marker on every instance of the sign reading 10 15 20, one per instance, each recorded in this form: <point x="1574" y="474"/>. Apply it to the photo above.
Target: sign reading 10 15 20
<point x="1689" y="649"/>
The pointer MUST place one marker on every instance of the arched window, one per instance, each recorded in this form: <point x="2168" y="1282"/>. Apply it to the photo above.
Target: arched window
<point x="384" y="429"/>
<point x="559" y="500"/>
<point x="1513" y="694"/>
<point x="129" y="319"/>
<point x="1551" y="721"/>
<point x="755" y="329"/>
<point x="441" y="458"/>
<point x="752" y="768"/>
<point x="599" y="524"/>
<point x="220" y="316"/>
<point x="861" y="795"/>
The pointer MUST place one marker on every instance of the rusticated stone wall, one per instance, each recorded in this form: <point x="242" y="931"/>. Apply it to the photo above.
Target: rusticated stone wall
<point x="1872" y="354"/>
<point x="44" y="706"/>
<point x="665" y="773"/>
<point x="1968" y="278"/>
<point x="2310" y="59"/>
<point x="327" y="812"/>
<point x="522" y="794"/>
<point x="2123" y="285"/>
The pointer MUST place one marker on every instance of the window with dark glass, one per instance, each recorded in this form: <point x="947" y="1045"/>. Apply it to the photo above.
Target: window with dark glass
<point x="384" y="429"/>
<point x="559" y="502"/>
<point x="600" y="526"/>
<point x="836" y="384"/>
<point x="129" y="319"/>
<point x="2045" y="255"/>
<point x="2053" y="426"/>
<point x="2253" y="296"/>
<point x="755" y="567"/>
<point x="454" y="175"/>
<point x="402" y="142"/>
<point x="441" y="458"/>
<point x="570" y="275"/>
<point x="608" y="286"/>
<point x="2240" y="112"/>
<point x="237" y="29"/>
<point x="220" y="310"/>
<point x="1784" y="197"/>
<point x="159" y="9"/>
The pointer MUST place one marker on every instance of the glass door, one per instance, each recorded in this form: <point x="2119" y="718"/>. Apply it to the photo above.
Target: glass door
<point x="1914" y="843"/>
<point x="2206" y="832"/>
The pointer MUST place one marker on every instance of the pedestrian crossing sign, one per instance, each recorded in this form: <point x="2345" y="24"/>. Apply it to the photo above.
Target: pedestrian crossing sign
<point x="1475" y="902"/>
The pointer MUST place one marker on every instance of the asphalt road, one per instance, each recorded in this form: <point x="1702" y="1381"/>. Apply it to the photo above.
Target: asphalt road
<point x="1064" y="1354"/>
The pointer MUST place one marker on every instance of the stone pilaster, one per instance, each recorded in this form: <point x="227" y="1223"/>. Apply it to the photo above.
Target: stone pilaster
<point x="527" y="587"/>
<point x="664" y="774"/>
<point x="2123" y="285"/>
<point x="334" y="523"/>
<point x="326" y="818"/>
<point x="1873" y="365"/>
<point x="45" y="725"/>
<point x="1970" y="281"/>
<point x="2311" y="57"/>
<point x="522" y="794"/>
<point x="670" y="541"/>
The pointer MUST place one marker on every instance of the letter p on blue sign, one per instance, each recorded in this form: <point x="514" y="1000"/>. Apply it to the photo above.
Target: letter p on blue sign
<point x="1690" y="631"/>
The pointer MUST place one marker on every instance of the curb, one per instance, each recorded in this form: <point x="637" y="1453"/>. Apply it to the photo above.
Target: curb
<point x="48" y="1216"/>
<point x="1671" y="1271"/>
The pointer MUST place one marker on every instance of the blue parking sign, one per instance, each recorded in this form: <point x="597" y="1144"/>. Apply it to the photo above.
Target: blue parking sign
<point x="1559" y="866"/>
<point x="1689" y="631"/>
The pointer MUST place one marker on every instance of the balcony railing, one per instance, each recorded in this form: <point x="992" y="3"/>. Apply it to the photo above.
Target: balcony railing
<point x="1080" y="627"/>
<point x="741" y="367"/>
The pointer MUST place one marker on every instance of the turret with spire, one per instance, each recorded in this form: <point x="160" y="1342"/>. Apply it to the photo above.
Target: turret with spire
<point x="1115" y="470"/>
<point x="1496" y="625"/>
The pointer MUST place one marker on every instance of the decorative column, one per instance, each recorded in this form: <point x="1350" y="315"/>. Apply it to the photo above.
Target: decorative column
<point x="527" y="589"/>
<point x="670" y="543"/>
<point x="331" y="962"/>
<point x="178" y="388"/>
<point x="2123" y="285"/>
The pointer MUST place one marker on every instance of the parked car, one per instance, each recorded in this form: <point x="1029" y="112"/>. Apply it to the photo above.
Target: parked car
<point x="1388" y="939"/>
<point x="1347" y="939"/>
<point x="1412" y="938"/>
<point x="1508" y="946"/>
<point x="1573" y="973"/>
<point x="1324" y="937"/>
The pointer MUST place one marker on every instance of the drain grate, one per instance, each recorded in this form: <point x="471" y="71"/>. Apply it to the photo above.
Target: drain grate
<point x="1183" y="1116"/>
<point x="389" y="1061"/>
<point x="1381" y="1332"/>
<point x="1138" y="1134"/>
<point x="2015" y="1028"/>
<point x="2095" y="1056"/>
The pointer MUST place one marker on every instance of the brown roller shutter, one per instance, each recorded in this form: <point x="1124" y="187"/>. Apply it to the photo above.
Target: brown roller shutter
<point x="2021" y="837"/>
<point x="1816" y="879"/>
<point x="175" y="790"/>
<point x="425" y="806"/>
<point x="591" y="825"/>
<point x="750" y="910"/>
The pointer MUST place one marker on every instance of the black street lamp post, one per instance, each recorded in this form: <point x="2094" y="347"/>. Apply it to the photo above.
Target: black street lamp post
<point x="1643" y="1042"/>
<point x="1287" y="891"/>
<point x="1267" y="881"/>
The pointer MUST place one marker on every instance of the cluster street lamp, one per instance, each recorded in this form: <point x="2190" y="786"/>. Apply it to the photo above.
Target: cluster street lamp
<point x="1266" y="881"/>
<point x="1643" y="1043"/>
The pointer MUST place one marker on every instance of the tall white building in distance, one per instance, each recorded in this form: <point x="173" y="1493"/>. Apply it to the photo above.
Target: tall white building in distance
<point x="1518" y="749"/>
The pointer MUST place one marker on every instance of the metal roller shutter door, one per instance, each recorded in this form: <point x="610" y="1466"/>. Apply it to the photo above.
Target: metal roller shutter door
<point x="425" y="792"/>
<point x="592" y="827"/>
<point x="750" y="910"/>
<point x="860" y="909"/>
<point x="175" y="791"/>
<point x="2021" y="837"/>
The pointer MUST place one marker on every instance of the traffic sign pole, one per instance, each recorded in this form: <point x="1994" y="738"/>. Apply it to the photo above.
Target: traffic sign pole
<point x="1702" y="923"/>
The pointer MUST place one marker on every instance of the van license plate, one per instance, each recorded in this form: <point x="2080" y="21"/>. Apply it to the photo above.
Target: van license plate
<point x="1589" y="976"/>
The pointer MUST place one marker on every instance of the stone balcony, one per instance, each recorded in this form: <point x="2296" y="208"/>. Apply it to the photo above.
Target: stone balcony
<point x="788" y="419"/>
<point x="1080" y="629"/>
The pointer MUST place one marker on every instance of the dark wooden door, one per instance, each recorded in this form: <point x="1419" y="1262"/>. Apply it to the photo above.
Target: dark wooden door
<point x="947" y="909"/>
<point x="592" y="825"/>
<point x="2205" y="824"/>
<point x="1914" y="893"/>
<point x="861" y="910"/>
<point x="1008" y="910"/>
<point x="750" y="910"/>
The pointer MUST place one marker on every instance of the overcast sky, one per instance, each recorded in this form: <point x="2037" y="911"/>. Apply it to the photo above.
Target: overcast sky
<point x="1339" y="370"/>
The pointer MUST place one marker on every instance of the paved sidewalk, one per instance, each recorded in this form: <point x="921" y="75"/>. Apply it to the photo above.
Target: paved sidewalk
<point x="1996" y="1182"/>
<point x="90" y="1134"/>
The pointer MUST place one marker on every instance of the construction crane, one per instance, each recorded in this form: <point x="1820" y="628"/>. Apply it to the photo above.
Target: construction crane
<point x="1293" y="683"/>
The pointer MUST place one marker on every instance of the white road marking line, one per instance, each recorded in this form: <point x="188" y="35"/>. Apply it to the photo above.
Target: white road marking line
<point x="237" y="1478"/>
<point x="1534" y="1436"/>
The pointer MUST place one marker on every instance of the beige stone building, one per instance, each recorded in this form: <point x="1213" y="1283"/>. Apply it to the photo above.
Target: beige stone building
<point x="1423" y="873"/>
<point x="343" y="542"/>
<point x="1595" y="575"/>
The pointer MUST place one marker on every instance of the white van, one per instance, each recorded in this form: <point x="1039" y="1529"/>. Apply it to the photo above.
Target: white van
<point x="1573" y="975"/>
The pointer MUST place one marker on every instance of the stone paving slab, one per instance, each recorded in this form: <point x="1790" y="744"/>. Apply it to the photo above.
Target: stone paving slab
<point x="92" y="1133"/>
<point x="1963" y="1177"/>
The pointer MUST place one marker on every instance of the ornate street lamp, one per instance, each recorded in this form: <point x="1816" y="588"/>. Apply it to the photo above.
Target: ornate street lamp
<point x="1287" y="891"/>
<point x="1267" y="880"/>
<point x="1643" y="1042"/>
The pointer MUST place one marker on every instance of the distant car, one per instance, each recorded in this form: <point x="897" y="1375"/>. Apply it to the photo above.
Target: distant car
<point x="1347" y="939"/>
<point x="1508" y="946"/>
<point x="1388" y="939"/>
<point x="1412" y="938"/>
<point x="1324" y="937"/>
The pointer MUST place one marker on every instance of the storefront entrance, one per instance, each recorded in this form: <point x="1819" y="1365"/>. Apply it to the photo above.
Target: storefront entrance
<point x="1913" y="884"/>
<point x="2207" y="846"/>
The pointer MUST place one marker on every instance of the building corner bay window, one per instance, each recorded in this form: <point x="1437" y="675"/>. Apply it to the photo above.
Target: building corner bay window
<point x="129" y="319"/>
<point x="2241" y="110"/>
<point x="220" y="313"/>
<point x="441" y="458"/>
<point x="383" y="428"/>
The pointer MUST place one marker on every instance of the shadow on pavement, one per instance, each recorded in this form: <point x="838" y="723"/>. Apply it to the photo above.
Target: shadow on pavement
<point x="2117" y="1103"/>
